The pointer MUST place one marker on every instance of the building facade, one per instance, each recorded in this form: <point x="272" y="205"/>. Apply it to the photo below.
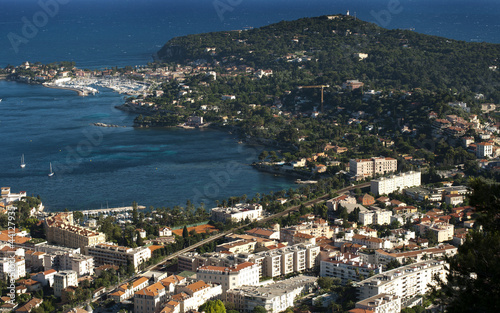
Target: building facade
<point x="237" y="213"/>
<point x="364" y="168"/>
<point x="405" y="281"/>
<point x="64" y="279"/>
<point x="386" y="185"/>
<point x="118" y="255"/>
<point x="276" y="297"/>
<point x="60" y="230"/>
<point x="245" y="274"/>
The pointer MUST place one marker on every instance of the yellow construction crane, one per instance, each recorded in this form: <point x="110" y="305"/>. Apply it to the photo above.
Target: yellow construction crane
<point x="317" y="86"/>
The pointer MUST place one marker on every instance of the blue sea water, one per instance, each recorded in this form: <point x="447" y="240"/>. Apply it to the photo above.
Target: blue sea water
<point x="161" y="167"/>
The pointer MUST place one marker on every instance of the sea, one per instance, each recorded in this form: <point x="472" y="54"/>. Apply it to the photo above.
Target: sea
<point x="99" y="167"/>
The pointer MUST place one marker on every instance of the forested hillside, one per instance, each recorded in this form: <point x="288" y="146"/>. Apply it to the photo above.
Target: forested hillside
<point x="326" y="47"/>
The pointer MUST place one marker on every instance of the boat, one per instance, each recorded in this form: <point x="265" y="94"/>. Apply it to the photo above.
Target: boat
<point x="51" y="172"/>
<point x="22" y="161"/>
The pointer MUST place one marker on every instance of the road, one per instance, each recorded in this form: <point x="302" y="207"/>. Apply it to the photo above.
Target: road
<point x="215" y="237"/>
<point x="263" y="220"/>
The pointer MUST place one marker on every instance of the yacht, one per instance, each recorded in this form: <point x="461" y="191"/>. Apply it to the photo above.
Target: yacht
<point x="51" y="172"/>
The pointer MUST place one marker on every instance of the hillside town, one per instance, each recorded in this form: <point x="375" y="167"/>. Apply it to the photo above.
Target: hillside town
<point x="390" y="198"/>
<point x="382" y="248"/>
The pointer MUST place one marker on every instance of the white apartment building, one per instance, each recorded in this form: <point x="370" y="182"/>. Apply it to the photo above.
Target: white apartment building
<point x="199" y="293"/>
<point x="237" y="213"/>
<point x="8" y="196"/>
<point x="276" y="297"/>
<point x="81" y="264"/>
<point x="386" y="185"/>
<point x="443" y="231"/>
<point x="286" y="260"/>
<point x="13" y="268"/>
<point x="382" y="217"/>
<point x="484" y="149"/>
<point x="106" y="253"/>
<point x="363" y="168"/>
<point x="404" y="282"/>
<point x="366" y="218"/>
<point x="64" y="279"/>
<point x="46" y="278"/>
<point x="348" y="267"/>
<point x="377" y="217"/>
<point x="245" y="274"/>
<point x="382" y="303"/>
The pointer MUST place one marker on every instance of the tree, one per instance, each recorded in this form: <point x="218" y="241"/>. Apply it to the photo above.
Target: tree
<point x="473" y="279"/>
<point x="263" y="155"/>
<point x="185" y="233"/>
<point x="213" y="306"/>
<point x="139" y="241"/>
<point x="259" y="309"/>
<point x="77" y="216"/>
<point x="135" y="213"/>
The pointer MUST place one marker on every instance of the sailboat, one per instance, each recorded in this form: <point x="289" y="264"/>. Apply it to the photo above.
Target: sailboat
<point x="51" y="172"/>
<point x="22" y="161"/>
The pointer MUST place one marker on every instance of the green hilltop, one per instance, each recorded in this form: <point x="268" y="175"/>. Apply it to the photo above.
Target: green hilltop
<point x="326" y="46"/>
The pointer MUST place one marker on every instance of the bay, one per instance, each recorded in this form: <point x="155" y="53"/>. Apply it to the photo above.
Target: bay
<point x="96" y="166"/>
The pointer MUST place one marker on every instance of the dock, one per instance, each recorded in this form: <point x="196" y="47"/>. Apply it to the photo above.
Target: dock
<point x="110" y="210"/>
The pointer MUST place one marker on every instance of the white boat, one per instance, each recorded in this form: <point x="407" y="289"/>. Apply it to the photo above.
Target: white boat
<point x="51" y="172"/>
<point x="22" y="161"/>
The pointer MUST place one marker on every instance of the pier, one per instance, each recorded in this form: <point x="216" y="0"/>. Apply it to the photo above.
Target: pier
<point x="110" y="210"/>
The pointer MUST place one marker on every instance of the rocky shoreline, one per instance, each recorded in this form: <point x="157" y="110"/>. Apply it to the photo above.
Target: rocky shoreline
<point x="106" y="125"/>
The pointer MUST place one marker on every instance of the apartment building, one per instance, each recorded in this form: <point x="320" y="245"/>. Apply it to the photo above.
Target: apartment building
<point x="280" y="259"/>
<point x="106" y="253"/>
<point x="245" y="274"/>
<point x="382" y="257"/>
<point x="315" y="228"/>
<point x="81" y="264"/>
<point x="348" y="267"/>
<point x="404" y="282"/>
<point x="46" y="278"/>
<point x="386" y="185"/>
<point x="239" y="246"/>
<point x="443" y="231"/>
<point x="172" y="281"/>
<point x="238" y="213"/>
<point x="150" y="299"/>
<point x="371" y="242"/>
<point x="126" y="291"/>
<point x="275" y="297"/>
<point x="363" y="168"/>
<point x="382" y="303"/>
<point x="333" y="204"/>
<point x="60" y="230"/>
<point x="13" y="268"/>
<point x="484" y="150"/>
<point x="64" y="279"/>
<point x="197" y="294"/>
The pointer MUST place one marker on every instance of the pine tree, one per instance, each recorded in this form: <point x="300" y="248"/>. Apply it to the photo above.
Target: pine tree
<point x="473" y="281"/>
